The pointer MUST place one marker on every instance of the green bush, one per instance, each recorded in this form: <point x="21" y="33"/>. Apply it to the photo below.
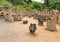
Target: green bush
<point x="49" y="17"/>
<point x="38" y="6"/>
<point x="0" y="8"/>
<point x="54" y="5"/>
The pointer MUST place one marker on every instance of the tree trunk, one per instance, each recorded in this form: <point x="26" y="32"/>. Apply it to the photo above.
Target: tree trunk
<point x="51" y="25"/>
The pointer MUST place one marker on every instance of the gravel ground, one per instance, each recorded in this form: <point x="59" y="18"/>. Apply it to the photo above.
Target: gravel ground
<point x="19" y="32"/>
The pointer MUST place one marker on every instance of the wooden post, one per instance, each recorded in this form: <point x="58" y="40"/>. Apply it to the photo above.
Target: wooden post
<point x="59" y="19"/>
<point x="56" y="13"/>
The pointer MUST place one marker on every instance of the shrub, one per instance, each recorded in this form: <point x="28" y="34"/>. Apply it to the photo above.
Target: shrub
<point x="49" y="17"/>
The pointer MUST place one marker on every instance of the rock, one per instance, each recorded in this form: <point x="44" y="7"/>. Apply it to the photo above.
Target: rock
<point x="15" y="17"/>
<point x="19" y="18"/>
<point x="32" y="28"/>
<point x="40" y="22"/>
<point x="25" y="22"/>
<point x="11" y="19"/>
<point x="6" y="17"/>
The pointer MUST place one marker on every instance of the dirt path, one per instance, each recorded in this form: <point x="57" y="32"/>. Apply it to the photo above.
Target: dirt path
<point x="18" y="32"/>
